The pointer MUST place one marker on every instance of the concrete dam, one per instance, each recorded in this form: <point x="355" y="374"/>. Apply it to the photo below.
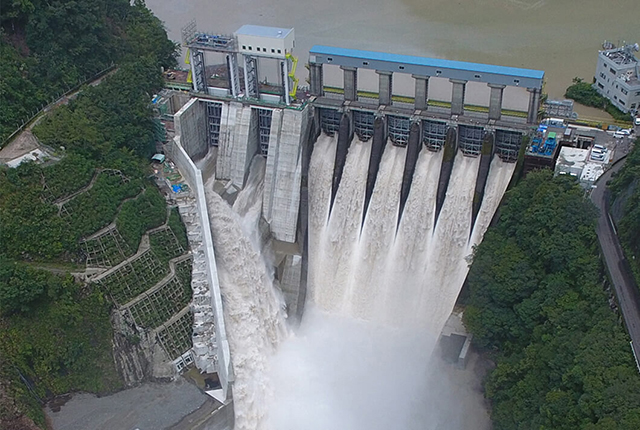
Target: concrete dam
<point x="334" y="207"/>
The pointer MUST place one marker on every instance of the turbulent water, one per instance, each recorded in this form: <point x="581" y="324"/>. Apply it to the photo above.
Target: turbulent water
<point x="379" y="296"/>
<point x="253" y="310"/>
<point x="379" y="293"/>
<point x="405" y="278"/>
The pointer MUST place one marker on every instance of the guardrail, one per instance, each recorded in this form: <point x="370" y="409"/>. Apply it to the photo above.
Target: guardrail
<point x="54" y="101"/>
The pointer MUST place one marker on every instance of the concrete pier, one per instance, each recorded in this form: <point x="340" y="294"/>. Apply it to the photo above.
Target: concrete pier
<point x="316" y="80"/>
<point x="244" y="145"/>
<point x="385" y="90"/>
<point x="350" y="83"/>
<point x="413" y="150"/>
<point x="457" y="96"/>
<point x="495" y="101"/>
<point x="481" y="181"/>
<point x="377" y="149"/>
<point x="344" y="142"/>
<point x="421" y="92"/>
<point x="450" y="151"/>
<point x="534" y="105"/>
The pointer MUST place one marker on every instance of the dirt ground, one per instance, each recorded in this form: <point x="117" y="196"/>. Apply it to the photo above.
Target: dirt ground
<point x="21" y="145"/>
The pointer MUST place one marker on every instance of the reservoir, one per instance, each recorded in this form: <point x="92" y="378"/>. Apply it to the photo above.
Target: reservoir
<point x="561" y="37"/>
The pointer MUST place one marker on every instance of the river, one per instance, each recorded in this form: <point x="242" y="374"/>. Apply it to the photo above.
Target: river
<point x="561" y="37"/>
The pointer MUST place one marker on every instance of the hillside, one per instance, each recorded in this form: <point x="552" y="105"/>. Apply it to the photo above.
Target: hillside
<point x="537" y="305"/>
<point x="56" y="331"/>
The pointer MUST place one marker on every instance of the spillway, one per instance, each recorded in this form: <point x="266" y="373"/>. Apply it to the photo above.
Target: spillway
<point x="253" y="310"/>
<point x="380" y="289"/>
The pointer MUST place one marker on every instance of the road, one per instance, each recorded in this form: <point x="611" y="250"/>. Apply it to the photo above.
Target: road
<point x="619" y="271"/>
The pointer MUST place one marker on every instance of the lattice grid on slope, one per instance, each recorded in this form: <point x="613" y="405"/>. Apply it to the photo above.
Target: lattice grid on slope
<point x="165" y="244"/>
<point x="135" y="277"/>
<point x="162" y="303"/>
<point x="106" y="250"/>
<point x="175" y="337"/>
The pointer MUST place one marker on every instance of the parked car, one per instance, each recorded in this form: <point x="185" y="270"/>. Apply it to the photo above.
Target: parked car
<point x="621" y="133"/>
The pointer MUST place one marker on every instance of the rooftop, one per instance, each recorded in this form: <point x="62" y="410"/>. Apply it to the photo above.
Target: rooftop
<point x="429" y="62"/>
<point x="622" y="56"/>
<point x="263" y="31"/>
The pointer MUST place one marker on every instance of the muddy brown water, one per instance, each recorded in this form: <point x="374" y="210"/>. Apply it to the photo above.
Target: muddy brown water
<point x="561" y="37"/>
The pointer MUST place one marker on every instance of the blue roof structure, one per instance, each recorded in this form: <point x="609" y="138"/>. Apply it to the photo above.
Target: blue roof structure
<point x="427" y="66"/>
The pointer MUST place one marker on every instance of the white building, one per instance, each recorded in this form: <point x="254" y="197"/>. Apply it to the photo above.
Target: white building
<point x="617" y="77"/>
<point x="263" y="41"/>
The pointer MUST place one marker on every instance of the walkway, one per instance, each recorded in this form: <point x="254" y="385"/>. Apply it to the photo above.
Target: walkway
<point x="619" y="271"/>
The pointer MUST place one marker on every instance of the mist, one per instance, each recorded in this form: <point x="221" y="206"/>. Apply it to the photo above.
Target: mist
<point x="343" y="373"/>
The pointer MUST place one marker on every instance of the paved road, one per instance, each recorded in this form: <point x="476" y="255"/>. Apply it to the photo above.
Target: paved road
<point x="619" y="272"/>
<point x="149" y="406"/>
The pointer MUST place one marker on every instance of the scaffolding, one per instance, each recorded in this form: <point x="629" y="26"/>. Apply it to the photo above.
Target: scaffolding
<point x="470" y="139"/>
<point x="507" y="145"/>
<point x="330" y="120"/>
<point x="398" y="128"/>
<point x="264" y="130"/>
<point x="434" y="134"/>
<point x="363" y="124"/>
<point x="214" y="115"/>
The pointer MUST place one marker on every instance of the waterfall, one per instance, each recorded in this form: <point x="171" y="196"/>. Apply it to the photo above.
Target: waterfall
<point x="253" y="310"/>
<point x="378" y="294"/>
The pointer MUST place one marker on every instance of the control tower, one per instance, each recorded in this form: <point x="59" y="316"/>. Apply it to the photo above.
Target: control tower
<point x="251" y="43"/>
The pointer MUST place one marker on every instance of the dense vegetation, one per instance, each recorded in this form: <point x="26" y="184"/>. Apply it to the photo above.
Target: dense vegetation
<point x="585" y="94"/>
<point x="56" y="335"/>
<point x="47" y="47"/>
<point x="537" y="304"/>
<point x="626" y="196"/>
<point x="139" y="215"/>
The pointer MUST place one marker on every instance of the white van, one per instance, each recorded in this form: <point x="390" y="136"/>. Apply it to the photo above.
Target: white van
<point x="637" y="121"/>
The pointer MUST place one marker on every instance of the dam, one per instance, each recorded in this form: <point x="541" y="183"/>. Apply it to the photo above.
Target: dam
<point x="328" y="201"/>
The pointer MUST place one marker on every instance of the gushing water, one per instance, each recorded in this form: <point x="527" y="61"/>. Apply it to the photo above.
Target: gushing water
<point x="379" y="294"/>
<point x="252" y="308"/>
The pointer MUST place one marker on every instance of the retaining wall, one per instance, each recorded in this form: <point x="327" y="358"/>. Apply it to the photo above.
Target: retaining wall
<point x="194" y="177"/>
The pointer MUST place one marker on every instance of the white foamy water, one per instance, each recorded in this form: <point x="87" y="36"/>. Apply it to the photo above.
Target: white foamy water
<point x="379" y="294"/>
<point x="253" y="310"/>
<point x="500" y="174"/>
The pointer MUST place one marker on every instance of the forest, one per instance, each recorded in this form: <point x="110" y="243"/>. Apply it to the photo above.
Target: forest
<point x="539" y="305"/>
<point x="625" y="202"/>
<point x="56" y="331"/>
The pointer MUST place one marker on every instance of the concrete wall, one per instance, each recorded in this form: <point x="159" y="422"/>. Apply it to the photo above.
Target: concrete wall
<point x="194" y="177"/>
<point x="281" y="202"/>
<point x="227" y="130"/>
<point x="243" y="145"/>
<point x="191" y="125"/>
<point x="272" y="161"/>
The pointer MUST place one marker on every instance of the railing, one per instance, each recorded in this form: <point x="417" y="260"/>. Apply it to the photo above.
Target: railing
<point x="54" y="101"/>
